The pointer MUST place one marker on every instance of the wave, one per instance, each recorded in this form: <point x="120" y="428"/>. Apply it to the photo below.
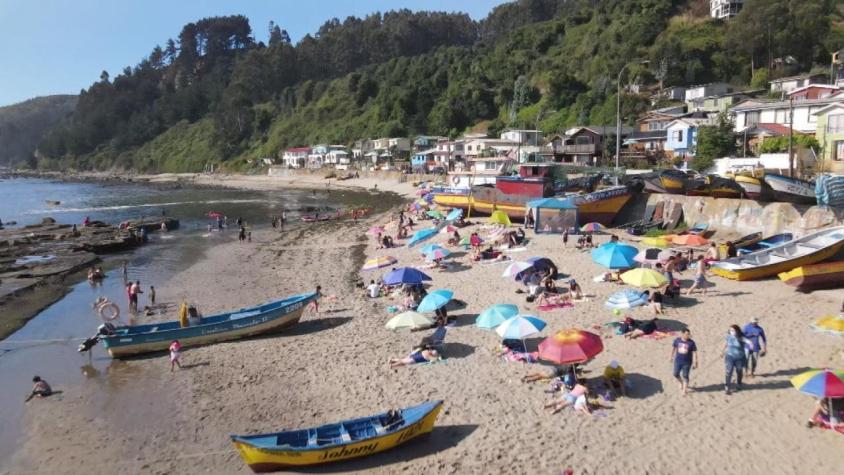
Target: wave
<point x="144" y="205"/>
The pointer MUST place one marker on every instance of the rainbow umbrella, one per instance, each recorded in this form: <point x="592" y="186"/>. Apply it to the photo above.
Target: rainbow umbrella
<point x="496" y="315"/>
<point x="409" y="321"/>
<point x="421" y="235"/>
<point x="823" y="383"/>
<point x="644" y="278"/>
<point x="435" y="300"/>
<point x="376" y="230"/>
<point x="592" y="228"/>
<point x="454" y="214"/>
<point x="692" y="240"/>
<point x="570" y="346"/>
<point x="613" y="255"/>
<point x="519" y="327"/>
<point x="833" y="324"/>
<point x="379" y="262"/>
<point x="437" y="254"/>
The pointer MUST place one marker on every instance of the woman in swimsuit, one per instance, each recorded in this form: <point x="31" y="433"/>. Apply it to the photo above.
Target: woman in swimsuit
<point x="424" y="354"/>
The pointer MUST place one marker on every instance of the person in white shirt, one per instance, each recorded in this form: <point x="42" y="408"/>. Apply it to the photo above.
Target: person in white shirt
<point x="373" y="289"/>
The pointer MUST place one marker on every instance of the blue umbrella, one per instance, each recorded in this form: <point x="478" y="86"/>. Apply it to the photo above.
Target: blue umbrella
<point x="496" y="315"/>
<point x="426" y="249"/>
<point x="519" y="327"/>
<point x="435" y="300"/>
<point x="454" y="214"/>
<point x="626" y="299"/>
<point x="422" y="235"/>
<point x="615" y="256"/>
<point x="405" y="275"/>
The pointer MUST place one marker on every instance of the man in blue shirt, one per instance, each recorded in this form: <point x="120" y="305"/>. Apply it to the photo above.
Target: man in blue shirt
<point x="758" y="344"/>
<point x="684" y="355"/>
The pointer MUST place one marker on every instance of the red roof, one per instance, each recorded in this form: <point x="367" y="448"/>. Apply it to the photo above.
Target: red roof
<point x="299" y="149"/>
<point x="777" y="129"/>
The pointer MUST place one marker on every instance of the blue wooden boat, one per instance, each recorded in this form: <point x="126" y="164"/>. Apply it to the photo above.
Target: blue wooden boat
<point x="766" y="243"/>
<point x="334" y="442"/>
<point x="266" y="318"/>
<point x="829" y="190"/>
<point x="791" y="190"/>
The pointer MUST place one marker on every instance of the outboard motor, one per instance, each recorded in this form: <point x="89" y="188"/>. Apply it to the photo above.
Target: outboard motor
<point x="103" y="330"/>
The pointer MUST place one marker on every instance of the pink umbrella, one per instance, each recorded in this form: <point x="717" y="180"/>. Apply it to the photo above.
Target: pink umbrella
<point x="376" y="230"/>
<point x="448" y="229"/>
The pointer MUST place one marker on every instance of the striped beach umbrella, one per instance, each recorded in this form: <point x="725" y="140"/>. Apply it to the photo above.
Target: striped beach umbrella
<point x="820" y="382"/>
<point x="592" y="228"/>
<point x="626" y="299"/>
<point x="520" y="327"/>
<point x="379" y="262"/>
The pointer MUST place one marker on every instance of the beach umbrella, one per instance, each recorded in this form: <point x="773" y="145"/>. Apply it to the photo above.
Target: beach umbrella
<point x="516" y="268"/>
<point x="570" y="346"/>
<point x="692" y="240"/>
<point x="649" y="256"/>
<point x="519" y="327"/>
<point x="626" y="299"/>
<point x="496" y="315"/>
<point x="592" y="228"/>
<point x="405" y="275"/>
<point x="435" y="300"/>
<point x="448" y="229"/>
<point x="409" y="321"/>
<point x="499" y="217"/>
<point x="656" y="241"/>
<point x="466" y="240"/>
<point x="437" y="254"/>
<point x="666" y="254"/>
<point x="435" y="214"/>
<point x="376" y="230"/>
<point x="454" y="214"/>
<point x="429" y="247"/>
<point x="421" y="235"/>
<point x="833" y="324"/>
<point x="644" y="278"/>
<point x="379" y="262"/>
<point x="614" y="256"/>
<point x="820" y="382"/>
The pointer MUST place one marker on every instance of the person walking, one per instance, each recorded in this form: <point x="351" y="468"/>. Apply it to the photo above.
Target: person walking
<point x="566" y="237"/>
<point x="734" y="359"/>
<point x="175" y="355"/>
<point x="152" y="294"/>
<point x="757" y="345"/>
<point x="685" y="357"/>
<point x="700" y="277"/>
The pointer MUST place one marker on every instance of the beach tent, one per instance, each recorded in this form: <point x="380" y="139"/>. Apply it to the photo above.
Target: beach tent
<point x="499" y="217"/>
<point x="553" y="215"/>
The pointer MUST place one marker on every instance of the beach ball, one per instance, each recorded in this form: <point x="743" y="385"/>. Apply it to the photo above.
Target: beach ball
<point x="616" y="312"/>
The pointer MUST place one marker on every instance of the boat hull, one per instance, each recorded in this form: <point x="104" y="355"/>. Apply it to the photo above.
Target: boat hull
<point x="731" y="268"/>
<point x="791" y="190"/>
<point x="752" y="187"/>
<point x="262" y="459"/>
<point x="826" y="275"/>
<point x="253" y="323"/>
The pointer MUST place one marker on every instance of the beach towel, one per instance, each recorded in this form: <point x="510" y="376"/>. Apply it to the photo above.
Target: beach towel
<point x="825" y="425"/>
<point x="515" y="249"/>
<point x="549" y="308"/>
<point x="531" y="357"/>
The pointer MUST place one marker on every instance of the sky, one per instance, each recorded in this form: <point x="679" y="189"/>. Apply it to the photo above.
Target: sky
<point x="62" y="46"/>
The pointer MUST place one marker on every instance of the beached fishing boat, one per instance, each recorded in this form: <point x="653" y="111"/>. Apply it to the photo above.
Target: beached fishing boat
<point x="809" y="249"/>
<point x="791" y="190"/>
<point x="662" y="181"/>
<point x="766" y="243"/>
<point x="826" y="275"/>
<point x="335" y="442"/>
<point x="714" y="186"/>
<point x="266" y="318"/>
<point x="829" y="190"/>
<point x="741" y="242"/>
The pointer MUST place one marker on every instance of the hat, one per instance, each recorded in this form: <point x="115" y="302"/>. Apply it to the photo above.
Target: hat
<point x="614" y="364"/>
<point x="754" y="320"/>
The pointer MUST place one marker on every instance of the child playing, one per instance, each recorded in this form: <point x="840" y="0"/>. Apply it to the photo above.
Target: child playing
<point x="175" y="355"/>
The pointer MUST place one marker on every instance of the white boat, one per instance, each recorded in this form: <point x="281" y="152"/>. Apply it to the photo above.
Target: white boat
<point x="791" y="190"/>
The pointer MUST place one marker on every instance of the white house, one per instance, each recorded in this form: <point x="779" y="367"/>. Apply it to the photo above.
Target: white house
<point x="706" y="90"/>
<point x="790" y="83"/>
<point x="455" y="149"/>
<point x="725" y="9"/>
<point x="753" y="112"/>
<point x="476" y="147"/>
<point x="525" y="137"/>
<point x="295" y="157"/>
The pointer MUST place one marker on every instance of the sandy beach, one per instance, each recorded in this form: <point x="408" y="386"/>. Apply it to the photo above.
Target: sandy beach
<point x="333" y="366"/>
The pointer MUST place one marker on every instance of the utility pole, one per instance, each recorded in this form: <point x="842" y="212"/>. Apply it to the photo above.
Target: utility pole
<point x="618" y="115"/>
<point x="791" y="137"/>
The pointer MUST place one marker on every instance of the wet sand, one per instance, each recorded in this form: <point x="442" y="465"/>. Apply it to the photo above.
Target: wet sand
<point x="333" y="366"/>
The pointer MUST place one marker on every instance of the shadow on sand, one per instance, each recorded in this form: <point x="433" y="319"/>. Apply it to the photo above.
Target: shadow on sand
<point x="441" y="438"/>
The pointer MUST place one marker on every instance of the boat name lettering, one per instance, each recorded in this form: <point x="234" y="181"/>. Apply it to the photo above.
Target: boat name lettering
<point x="344" y="451"/>
<point x="410" y="432"/>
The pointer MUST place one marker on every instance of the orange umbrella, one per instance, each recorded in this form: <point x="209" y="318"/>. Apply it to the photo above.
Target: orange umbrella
<point x="570" y="346"/>
<point x="690" y="240"/>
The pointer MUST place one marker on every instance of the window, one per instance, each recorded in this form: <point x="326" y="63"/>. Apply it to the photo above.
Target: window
<point x="835" y="124"/>
<point x="781" y="116"/>
<point x="582" y="140"/>
<point x="490" y="165"/>
<point x="677" y="135"/>
<point x="839" y="151"/>
<point x="751" y="118"/>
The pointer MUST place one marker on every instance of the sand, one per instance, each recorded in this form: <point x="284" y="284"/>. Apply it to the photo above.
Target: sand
<point x="333" y="366"/>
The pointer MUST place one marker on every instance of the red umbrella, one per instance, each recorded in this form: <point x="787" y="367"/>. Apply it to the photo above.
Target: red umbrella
<point x="570" y="346"/>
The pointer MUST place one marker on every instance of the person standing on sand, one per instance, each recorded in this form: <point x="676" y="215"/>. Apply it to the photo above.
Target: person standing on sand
<point x="315" y="303"/>
<point x="757" y="345"/>
<point x="241" y="236"/>
<point x="734" y="360"/>
<point x="175" y="355"/>
<point x="152" y="294"/>
<point x="565" y="237"/>
<point x="685" y="357"/>
<point x="125" y="271"/>
<point x="700" y="277"/>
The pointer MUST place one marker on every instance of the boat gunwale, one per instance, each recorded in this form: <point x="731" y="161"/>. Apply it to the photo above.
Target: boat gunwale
<point x="736" y="260"/>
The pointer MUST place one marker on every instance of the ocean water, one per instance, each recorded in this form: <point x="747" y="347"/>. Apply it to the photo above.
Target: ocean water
<point x="47" y="344"/>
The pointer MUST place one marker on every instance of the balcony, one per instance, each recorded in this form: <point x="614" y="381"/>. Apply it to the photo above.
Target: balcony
<point x="580" y="149"/>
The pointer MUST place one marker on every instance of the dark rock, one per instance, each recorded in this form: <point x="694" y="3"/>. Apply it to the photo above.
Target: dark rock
<point x="48" y="220"/>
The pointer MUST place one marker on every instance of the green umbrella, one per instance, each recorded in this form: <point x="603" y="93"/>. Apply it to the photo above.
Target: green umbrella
<point x="435" y="214"/>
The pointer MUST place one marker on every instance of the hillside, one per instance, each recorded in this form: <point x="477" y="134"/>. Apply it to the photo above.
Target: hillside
<point x="218" y="95"/>
<point x="23" y="125"/>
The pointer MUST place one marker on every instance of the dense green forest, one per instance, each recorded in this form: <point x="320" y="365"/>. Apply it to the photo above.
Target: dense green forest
<point x="23" y="125"/>
<point x="216" y="94"/>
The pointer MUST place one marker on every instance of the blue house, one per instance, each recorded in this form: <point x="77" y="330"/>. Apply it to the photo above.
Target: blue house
<point x="682" y="136"/>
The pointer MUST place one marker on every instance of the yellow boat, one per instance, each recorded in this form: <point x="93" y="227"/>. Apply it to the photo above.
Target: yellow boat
<point x="335" y="442"/>
<point x="807" y="250"/>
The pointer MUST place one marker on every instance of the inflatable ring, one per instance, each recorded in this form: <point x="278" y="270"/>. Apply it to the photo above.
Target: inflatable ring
<point x="114" y="313"/>
<point x="455" y="180"/>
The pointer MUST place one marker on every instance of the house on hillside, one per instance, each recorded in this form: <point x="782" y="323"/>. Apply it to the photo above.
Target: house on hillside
<point x="725" y="9"/>
<point x="479" y="147"/>
<point x="585" y="145"/>
<point x="812" y="92"/>
<point x="721" y="102"/>
<point x="753" y="136"/>
<point x="706" y="90"/>
<point x="659" y="119"/>
<point x="426" y="142"/>
<point x="295" y="157"/>
<point x="649" y="144"/>
<point x="756" y="111"/>
<point x="790" y="83"/>
<point x="523" y="137"/>
<point x="361" y="148"/>
<point x="681" y="139"/>
<point x="830" y="136"/>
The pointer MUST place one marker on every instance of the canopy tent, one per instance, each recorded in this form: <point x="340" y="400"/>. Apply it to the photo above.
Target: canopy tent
<point x="553" y="215"/>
